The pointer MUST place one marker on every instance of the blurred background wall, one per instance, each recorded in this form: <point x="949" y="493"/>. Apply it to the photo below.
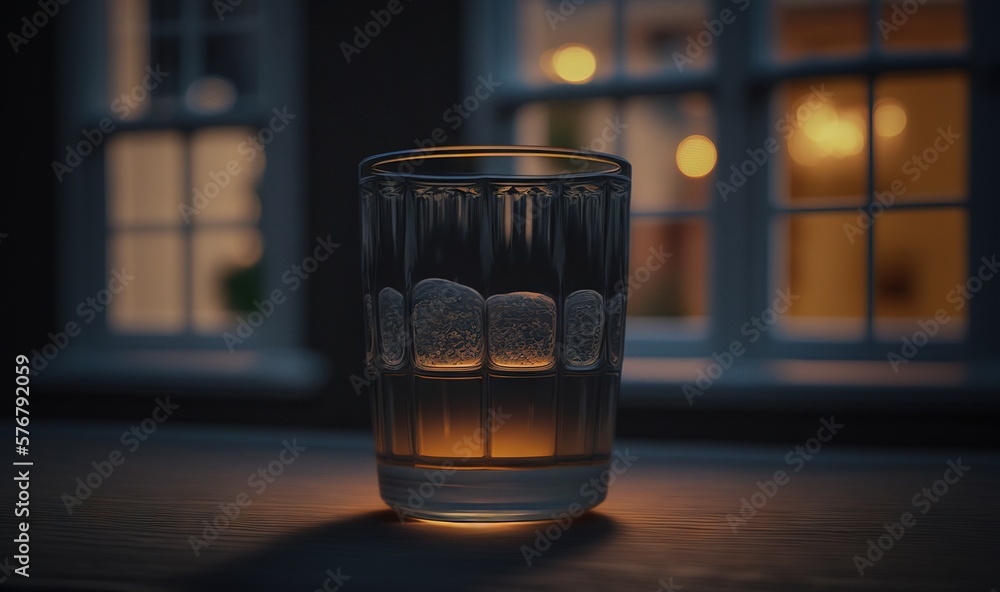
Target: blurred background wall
<point x="816" y="176"/>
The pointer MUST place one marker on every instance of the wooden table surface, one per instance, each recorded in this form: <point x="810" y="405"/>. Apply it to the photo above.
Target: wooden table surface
<point x="664" y="525"/>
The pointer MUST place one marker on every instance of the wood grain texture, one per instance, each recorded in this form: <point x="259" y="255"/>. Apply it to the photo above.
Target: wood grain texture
<point x="666" y="517"/>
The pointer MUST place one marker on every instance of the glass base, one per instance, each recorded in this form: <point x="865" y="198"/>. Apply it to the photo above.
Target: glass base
<point x="491" y="495"/>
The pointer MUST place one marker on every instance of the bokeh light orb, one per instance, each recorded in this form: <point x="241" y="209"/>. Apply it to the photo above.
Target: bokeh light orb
<point x="696" y="156"/>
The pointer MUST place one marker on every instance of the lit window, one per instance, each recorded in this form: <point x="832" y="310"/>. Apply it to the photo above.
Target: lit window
<point x="192" y="189"/>
<point x="847" y="186"/>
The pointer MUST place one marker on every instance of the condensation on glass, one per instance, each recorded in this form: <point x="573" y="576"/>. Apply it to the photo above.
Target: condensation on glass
<point x="494" y="299"/>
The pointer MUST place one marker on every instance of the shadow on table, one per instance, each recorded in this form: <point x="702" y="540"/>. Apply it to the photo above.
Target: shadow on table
<point x="378" y="552"/>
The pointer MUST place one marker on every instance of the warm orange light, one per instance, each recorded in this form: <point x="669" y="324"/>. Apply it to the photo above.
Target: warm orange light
<point x="574" y="63"/>
<point x="890" y="118"/>
<point x="803" y="149"/>
<point x="246" y="248"/>
<point x="486" y="527"/>
<point x="849" y="135"/>
<point x="828" y="132"/>
<point x="696" y="156"/>
<point x="817" y="127"/>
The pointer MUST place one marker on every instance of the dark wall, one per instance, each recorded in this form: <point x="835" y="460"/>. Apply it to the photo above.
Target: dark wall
<point x="393" y="92"/>
<point x="27" y="206"/>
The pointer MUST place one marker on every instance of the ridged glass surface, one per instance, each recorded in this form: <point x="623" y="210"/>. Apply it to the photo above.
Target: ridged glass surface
<point x="497" y="308"/>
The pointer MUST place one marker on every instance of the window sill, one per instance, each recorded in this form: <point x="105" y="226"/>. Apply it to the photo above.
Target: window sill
<point x="284" y="373"/>
<point x="802" y="385"/>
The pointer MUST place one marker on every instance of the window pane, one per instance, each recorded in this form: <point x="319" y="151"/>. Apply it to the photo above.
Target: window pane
<point x="827" y="273"/>
<point x="570" y="124"/>
<point x="818" y="28"/>
<point x="821" y="127"/>
<point x="226" y="276"/>
<point x="165" y="54"/>
<point x="670" y="143"/>
<point x="225" y="165"/>
<point x="145" y="172"/>
<point x="565" y="42"/>
<point x="668" y="268"/>
<point x="233" y="58"/>
<point x="663" y="36"/>
<point x="153" y="302"/>
<point x="920" y="260"/>
<point x="923" y="25"/>
<point x="128" y="57"/>
<point x="921" y="131"/>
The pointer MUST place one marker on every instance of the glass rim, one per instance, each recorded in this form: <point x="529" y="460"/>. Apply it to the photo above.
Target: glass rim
<point x="375" y="166"/>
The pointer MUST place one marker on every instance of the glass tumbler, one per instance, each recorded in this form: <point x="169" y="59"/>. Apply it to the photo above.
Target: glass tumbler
<point x="494" y="299"/>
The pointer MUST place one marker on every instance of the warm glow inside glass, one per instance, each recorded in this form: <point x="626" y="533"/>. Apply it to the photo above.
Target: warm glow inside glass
<point x="494" y="297"/>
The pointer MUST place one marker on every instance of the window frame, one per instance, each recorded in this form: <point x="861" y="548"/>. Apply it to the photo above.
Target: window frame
<point x="741" y="84"/>
<point x="275" y="356"/>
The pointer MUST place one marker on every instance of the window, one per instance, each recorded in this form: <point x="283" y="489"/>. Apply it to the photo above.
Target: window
<point x="802" y="170"/>
<point x="185" y="181"/>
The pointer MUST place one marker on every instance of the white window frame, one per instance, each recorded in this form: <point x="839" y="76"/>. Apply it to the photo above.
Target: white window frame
<point x="741" y="84"/>
<point x="274" y="359"/>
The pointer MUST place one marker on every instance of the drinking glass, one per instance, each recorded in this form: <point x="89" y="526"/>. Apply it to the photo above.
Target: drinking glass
<point x="494" y="299"/>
